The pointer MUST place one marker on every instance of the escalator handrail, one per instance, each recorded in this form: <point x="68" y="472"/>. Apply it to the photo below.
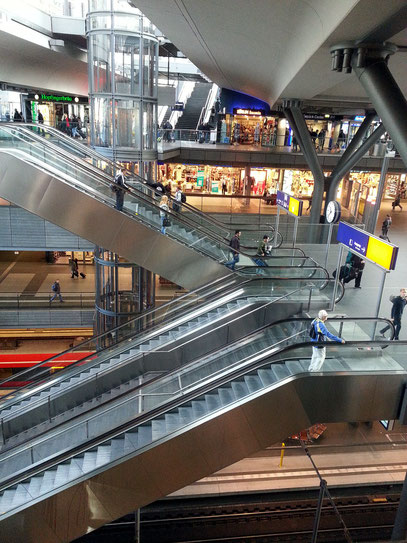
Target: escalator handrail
<point x="66" y="454"/>
<point x="107" y="407"/>
<point x="31" y="388"/>
<point x="178" y="218"/>
<point x="116" y="166"/>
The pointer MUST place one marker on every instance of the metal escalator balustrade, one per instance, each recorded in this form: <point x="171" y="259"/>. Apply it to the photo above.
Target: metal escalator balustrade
<point x="236" y="398"/>
<point x="104" y="166"/>
<point x="92" y="379"/>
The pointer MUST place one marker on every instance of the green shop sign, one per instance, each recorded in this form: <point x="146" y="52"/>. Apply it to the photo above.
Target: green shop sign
<point x="53" y="98"/>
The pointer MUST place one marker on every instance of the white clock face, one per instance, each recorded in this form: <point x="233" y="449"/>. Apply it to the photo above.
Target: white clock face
<point x="332" y="211"/>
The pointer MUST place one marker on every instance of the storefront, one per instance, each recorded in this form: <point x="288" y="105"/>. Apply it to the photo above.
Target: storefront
<point x="248" y="127"/>
<point x="53" y="107"/>
<point x="218" y="179"/>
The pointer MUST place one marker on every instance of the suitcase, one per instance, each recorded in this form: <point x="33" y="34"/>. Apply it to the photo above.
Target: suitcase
<point x="82" y="275"/>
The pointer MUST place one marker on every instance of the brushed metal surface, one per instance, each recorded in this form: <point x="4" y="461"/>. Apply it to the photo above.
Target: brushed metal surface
<point x="59" y="202"/>
<point x="201" y="449"/>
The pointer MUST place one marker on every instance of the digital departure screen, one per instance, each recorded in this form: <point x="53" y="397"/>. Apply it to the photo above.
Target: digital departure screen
<point x="289" y="203"/>
<point x="368" y="246"/>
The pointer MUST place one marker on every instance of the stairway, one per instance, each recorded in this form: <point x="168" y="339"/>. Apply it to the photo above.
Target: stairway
<point x="190" y="117"/>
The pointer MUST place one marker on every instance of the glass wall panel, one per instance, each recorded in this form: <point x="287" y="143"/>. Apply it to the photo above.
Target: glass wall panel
<point x="127" y="121"/>
<point x="124" y="21"/>
<point x="101" y="62"/>
<point x="100" y="22"/>
<point x="149" y="126"/>
<point x="127" y="71"/>
<point x="102" y="122"/>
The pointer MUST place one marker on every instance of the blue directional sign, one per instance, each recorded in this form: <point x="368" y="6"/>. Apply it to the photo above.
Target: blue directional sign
<point x="289" y="203"/>
<point x="368" y="246"/>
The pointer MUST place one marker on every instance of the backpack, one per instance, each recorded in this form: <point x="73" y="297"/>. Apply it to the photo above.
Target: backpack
<point x="54" y="287"/>
<point x="312" y="332"/>
<point x="183" y="198"/>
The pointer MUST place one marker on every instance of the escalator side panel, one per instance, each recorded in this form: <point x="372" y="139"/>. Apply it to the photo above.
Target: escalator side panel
<point x="61" y="203"/>
<point x="201" y="449"/>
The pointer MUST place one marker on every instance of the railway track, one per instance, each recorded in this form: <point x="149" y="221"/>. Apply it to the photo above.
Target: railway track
<point x="267" y="518"/>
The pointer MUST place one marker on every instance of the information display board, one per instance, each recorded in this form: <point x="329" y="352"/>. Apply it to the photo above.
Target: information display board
<point x="289" y="203"/>
<point x="368" y="246"/>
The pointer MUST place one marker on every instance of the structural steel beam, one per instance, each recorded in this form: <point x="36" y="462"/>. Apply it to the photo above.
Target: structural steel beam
<point x="342" y="169"/>
<point x="303" y="136"/>
<point x="387" y="99"/>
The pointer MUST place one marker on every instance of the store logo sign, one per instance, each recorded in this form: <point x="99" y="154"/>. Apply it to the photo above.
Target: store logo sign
<point x="253" y="112"/>
<point x="53" y="98"/>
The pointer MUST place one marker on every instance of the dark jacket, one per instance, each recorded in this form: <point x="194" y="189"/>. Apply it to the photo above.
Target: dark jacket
<point x="235" y="244"/>
<point x="398" y="308"/>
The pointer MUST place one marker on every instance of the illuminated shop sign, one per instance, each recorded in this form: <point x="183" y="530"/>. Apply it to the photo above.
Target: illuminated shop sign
<point x="289" y="203"/>
<point x="378" y="251"/>
<point x="253" y="112"/>
<point x="43" y="97"/>
<point x="359" y="118"/>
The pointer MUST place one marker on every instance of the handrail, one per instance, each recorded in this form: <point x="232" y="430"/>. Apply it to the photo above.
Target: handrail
<point x="252" y="336"/>
<point x="66" y="454"/>
<point x="116" y="166"/>
<point x="33" y="388"/>
<point x="61" y="375"/>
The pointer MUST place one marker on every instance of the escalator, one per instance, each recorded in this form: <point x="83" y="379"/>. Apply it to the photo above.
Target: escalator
<point x="60" y="189"/>
<point x="113" y="363"/>
<point x="199" y="419"/>
<point x="55" y="139"/>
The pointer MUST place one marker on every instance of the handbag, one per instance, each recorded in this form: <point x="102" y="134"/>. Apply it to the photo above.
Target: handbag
<point x="166" y="221"/>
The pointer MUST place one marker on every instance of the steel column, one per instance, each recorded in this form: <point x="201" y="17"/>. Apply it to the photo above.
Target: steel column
<point x="380" y="189"/>
<point x="342" y="169"/>
<point x="387" y="99"/>
<point x="312" y="160"/>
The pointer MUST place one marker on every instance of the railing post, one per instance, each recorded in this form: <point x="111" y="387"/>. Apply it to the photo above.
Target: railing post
<point x="322" y="488"/>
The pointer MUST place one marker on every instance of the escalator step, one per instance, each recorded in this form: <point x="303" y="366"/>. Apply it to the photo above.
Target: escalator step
<point x="158" y="428"/>
<point x="172" y="421"/>
<point x="240" y="389"/>
<point x="267" y="376"/>
<point x="253" y="382"/>
<point x="213" y="402"/>
<point x="199" y="408"/>
<point x="103" y="455"/>
<point x="226" y="396"/>
<point x="144" y="435"/>
<point x="294" y="367"/>
<point x="280" y="371"/>
<point x="186" y="414"/>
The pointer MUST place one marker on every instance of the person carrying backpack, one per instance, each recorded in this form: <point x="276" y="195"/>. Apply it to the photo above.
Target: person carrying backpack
<point x="318" y="334"/>
<point x="176" y="206"/>
<point x="56" y="289"/>
<point x="399" y="302"/>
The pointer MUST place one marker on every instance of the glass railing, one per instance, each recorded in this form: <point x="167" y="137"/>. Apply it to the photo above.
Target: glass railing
<point x="38" y="300"/>
<point x="161" y="324"/>
<point x="144" y="210"/>
<point x="54" y="139"/>
<point x="281" y="360"/>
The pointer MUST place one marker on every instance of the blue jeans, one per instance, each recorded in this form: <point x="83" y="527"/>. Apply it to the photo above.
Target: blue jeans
<point x="55" y="295"/>
<point x="232" y="263"/>
<point x="259" y="262"/>
<point x="162" y="225"/>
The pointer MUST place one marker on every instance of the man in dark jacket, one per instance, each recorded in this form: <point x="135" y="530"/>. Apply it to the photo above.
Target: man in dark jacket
<point x="234" y="248"/>
<point x="399" y="303"/>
